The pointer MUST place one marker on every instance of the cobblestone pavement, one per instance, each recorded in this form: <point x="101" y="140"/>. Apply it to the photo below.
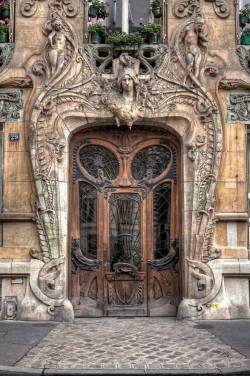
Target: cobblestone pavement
<point x="132" y="343"/>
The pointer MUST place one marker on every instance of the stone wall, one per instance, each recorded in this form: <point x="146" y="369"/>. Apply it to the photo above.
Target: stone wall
<point x="199" y="92"/>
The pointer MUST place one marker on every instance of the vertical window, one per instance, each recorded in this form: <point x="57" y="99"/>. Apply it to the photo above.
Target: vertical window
<point x="248" y="176"/>
<point x="125" y="229"/>
<point x="162" y="220"/>
<point x="243" y="23"/>
<point x="1" y="166"/>
<point x="7" y="19"/>
<point x="1" y="177"/>
<point x="88" y="220"/>
<point x="128" y="15"/>
<point x="1" y="294"/>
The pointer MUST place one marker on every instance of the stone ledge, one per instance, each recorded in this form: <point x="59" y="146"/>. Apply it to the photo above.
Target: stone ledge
<point x="7" y="371"/>
<point x="16" y="217"/>
<point x="232" y="216"/>
<point x="234" y="253"/>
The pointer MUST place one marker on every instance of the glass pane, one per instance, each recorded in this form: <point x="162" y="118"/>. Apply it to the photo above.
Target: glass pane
<point x="152" y="160"/>
<point x="138" y="13"/>
<point x="99" y="162"/>
<point x="88" y="220"/>
<point x="125" y="229"/>
<point x="162" y="220"/>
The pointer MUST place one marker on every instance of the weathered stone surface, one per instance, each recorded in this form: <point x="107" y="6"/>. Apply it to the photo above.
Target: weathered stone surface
<point x="61" y="94"/>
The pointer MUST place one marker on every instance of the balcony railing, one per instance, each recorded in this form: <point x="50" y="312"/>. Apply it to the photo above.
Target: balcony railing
<point x="102" y="55"/>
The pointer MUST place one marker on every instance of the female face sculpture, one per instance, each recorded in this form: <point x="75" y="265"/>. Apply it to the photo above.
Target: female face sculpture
<point x="127" y="85"/>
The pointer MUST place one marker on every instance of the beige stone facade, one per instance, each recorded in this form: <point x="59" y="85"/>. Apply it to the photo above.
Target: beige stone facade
<point x="198" y="93"/>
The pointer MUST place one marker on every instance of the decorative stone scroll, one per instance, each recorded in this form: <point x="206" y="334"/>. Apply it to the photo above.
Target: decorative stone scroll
<point x="189" y="8"/>
<point x="73" y="89"/>
<point x="6" y="53"/>
<point x="11" y="105"/>
<point x="244" y="57"/>
<point x="29" y="7"/>
<point x="232" y="84"/>
<point x="238" y="108"/>
<point x="70" y="8"/>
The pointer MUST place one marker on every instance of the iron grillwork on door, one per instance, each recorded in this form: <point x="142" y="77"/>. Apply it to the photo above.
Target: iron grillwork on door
<point x="88" y="220"/>
<point x="153" y="160"/>
<point x="99" y="162"/>
<point x="162" y="219"/>
<point x="125" y="229"/>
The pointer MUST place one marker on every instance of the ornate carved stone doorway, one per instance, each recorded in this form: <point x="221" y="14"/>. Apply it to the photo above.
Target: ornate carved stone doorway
<point x="124" y="223"/>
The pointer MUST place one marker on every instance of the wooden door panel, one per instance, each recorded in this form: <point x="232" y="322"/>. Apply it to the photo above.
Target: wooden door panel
<point x="86" y="283"/>
<point x="88" y="299"/>
<point x="163" y="293"/>
<point x="125" y="280"/>
<point x="125" y="293"/>
<point x="124" y="263"/>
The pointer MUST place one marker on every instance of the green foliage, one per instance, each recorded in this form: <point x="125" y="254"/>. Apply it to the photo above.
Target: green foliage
<point x="150" y="28"/>
<point x="245" y="11"/>
<point x="97" y="28"/>
<point x="156" y="4"/>
<point x="246" y="32"/>
<point x="4" y="28"/>
<point x="102" y="11"/>
<point x="123" y="39"/>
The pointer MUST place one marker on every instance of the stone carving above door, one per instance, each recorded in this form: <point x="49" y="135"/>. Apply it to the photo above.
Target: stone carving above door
<point x="238" y="108"/>
<point x="6" y="53"/>
<point x="71" y="88"/>
<point x="244" y="57"/>
<point x="69" y="8"/>
<point x="188" y="8"/>
<point x="11" y="104"/>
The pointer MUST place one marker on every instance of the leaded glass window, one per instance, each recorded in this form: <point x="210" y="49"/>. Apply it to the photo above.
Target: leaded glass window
<point x="162" y="220"/>
<point x="88" y="220"/>
<point x="154" y="159"/>
<point x="99" y="161"/>
<point x="125" y="229"/>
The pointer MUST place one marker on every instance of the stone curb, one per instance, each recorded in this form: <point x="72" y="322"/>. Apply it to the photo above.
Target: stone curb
<point x="14" y="371"/>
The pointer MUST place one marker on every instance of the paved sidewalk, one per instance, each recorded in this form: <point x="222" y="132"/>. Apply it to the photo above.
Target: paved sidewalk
<point x="139" y="343"/>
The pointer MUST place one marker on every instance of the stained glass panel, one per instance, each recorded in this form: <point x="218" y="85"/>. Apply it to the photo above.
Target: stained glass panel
<point x="162" y="220"/>
<point x="99" y="161"/>
<point x="152" y="160"/>
<point x="88" y="220"/>
<point x="125" y="229"/>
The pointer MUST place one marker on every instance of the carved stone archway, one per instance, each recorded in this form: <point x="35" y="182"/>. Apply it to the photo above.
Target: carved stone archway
<point x="74" y="96"/>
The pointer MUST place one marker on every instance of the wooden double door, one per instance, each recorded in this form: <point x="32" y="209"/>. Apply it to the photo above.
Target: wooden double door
<point x="124" y="223"/>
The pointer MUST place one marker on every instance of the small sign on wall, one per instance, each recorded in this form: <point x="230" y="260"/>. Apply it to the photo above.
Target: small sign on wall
<point x="10" y="307"/>
<point x="14" y="137"/>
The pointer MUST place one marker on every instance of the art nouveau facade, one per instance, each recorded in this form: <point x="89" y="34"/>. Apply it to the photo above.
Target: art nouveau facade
<point x="124" y="188"/>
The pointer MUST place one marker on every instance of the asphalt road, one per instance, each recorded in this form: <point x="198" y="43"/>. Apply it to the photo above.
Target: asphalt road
<point x="17" y="338"/>
<point x="235" y="333"/>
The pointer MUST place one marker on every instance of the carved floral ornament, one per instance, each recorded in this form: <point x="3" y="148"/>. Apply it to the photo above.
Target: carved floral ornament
<point x="188" y="8"/>
<point x="238" y="108"/>
<point x="72" y="87"/>
<point x="244" y="57"/>
<point x="11" y="104"/>
<point x="69" y="8"/>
